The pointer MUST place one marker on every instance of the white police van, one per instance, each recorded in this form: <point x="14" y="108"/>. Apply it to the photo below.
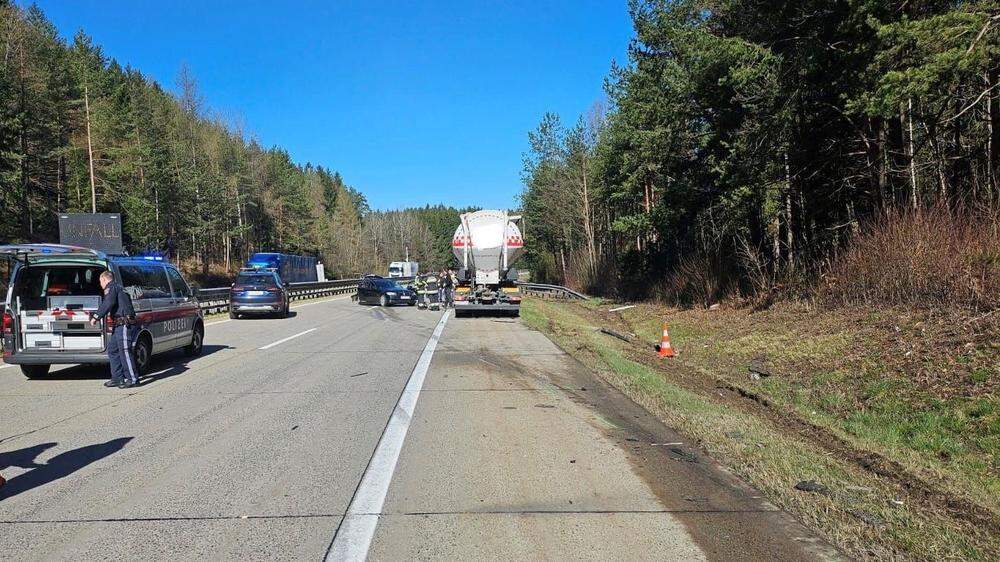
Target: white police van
<point x="54" y="288"/>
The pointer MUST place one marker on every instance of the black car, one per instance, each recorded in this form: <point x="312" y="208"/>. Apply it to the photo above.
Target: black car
<point x="384" y="292"/>
<point x="258" y="292"/>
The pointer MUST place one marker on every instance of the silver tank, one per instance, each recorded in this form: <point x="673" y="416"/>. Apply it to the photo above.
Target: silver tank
<point x="487" y="242"/>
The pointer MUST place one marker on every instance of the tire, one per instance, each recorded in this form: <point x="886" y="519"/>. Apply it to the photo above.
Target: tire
<point x="143" y="355"/>
<point x="197" y="344"/>
<point x="384" y="301"/>
<point x="35" y="371"/>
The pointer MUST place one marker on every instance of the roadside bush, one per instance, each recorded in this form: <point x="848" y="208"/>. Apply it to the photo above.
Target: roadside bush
<point x="937" y="256"/>
<point x="698" y="280"/>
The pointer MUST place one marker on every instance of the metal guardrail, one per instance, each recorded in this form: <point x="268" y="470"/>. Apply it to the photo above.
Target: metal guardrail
<point x="551" y="291"/>
<point x="216" y="299"/>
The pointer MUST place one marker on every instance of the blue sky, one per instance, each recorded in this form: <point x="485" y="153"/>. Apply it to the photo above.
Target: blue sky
<point x="413" y="102"/>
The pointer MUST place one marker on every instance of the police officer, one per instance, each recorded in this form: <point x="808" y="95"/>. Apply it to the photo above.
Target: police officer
<point x="118" y="305"/>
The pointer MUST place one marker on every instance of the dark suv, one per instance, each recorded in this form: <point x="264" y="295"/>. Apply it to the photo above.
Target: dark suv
<point x="384" y="292"/>
<point x="258" y="292"/>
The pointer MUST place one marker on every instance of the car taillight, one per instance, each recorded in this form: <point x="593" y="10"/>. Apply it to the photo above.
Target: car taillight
<point x="8" y="323"/>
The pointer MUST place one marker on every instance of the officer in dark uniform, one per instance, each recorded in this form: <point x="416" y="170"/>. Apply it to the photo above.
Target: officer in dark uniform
<point x="118" y="305"/>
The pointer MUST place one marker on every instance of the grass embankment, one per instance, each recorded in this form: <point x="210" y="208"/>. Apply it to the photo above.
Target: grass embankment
<point x="896" y="414"/>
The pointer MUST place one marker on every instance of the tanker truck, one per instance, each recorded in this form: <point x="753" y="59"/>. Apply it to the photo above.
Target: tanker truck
<point x="486" y="244"/>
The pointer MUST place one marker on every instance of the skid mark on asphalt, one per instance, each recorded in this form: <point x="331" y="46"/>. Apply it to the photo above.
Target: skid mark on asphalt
<point x="353" y="536"/>
<point x="168" y="519"/>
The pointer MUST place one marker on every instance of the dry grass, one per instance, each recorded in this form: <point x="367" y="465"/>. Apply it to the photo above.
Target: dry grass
<point x="918" y="386"/>
<point x="929" y="257"/>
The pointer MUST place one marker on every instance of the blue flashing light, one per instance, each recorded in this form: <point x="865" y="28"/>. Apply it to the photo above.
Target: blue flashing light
<point x="150" y="256"/>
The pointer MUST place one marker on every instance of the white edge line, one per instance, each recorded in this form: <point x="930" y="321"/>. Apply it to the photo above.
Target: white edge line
<point x="356" y="531"/>
<point x="281" y="341"/>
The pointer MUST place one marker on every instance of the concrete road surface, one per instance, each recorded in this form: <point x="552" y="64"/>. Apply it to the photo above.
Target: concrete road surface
<point x="349" y="431"/>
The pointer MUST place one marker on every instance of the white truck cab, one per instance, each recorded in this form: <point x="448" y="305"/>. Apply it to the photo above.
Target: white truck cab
<point x="404" y="269"/>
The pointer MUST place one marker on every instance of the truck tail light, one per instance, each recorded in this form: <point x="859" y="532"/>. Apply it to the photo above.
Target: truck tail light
<point x="8" y="323"/>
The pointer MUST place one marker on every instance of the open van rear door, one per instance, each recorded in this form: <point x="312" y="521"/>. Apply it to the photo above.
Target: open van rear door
<point x="24" y="252"/>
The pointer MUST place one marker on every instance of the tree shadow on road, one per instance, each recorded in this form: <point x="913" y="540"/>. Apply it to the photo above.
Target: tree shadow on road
<point x="57" y="467"/>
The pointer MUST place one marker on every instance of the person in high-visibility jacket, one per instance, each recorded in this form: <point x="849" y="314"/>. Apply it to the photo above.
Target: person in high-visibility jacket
<point x="429" y="291"/>
<point x="418" y="285"/>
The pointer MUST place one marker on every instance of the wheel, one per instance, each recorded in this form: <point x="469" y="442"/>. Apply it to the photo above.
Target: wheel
<point x="384" y="301"/>
<point x="143" y="354"/>
<point x="35" y="371"/>
<point x="194" y="348"/>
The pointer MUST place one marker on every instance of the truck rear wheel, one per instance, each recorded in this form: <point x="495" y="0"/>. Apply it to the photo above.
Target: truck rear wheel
<point x="35" y="371"/>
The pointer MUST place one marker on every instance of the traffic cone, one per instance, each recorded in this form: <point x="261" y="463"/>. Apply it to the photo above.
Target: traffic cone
<point x="664" y="348"/>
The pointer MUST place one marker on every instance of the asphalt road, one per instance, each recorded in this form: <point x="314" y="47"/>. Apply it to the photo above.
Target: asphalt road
<point x="347" y="431"/>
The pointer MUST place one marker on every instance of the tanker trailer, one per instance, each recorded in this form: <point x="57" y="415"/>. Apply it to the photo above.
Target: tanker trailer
<point x="487" y="243"/>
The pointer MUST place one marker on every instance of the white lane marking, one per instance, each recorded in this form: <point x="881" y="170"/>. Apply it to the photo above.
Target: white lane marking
<point x="292" y="337"/>
<point x="354" y="537"/>
<point x="5" y="366"/>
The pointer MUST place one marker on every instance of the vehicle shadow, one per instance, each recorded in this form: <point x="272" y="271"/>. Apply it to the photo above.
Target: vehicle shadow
<point x="59" y="466"/>
<point x="164" y="366"/>
<point x="246" y="316"/>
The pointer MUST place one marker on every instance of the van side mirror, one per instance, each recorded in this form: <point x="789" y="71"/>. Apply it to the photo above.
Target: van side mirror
<point x="195" y="290"/>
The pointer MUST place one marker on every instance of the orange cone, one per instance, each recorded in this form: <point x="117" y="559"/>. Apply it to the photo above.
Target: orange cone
<point x="664" y="348"/>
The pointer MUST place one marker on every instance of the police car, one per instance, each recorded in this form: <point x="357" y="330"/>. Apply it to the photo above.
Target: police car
<point x="54" y="288"/>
